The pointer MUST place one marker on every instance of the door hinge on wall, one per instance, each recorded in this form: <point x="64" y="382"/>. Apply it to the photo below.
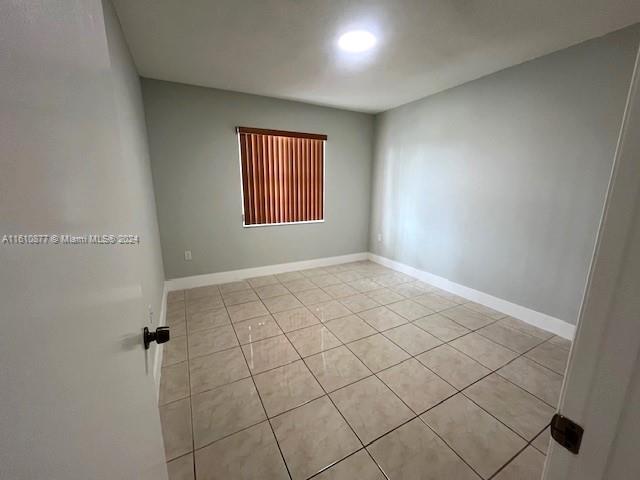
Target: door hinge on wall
<point x="567" y="433"/>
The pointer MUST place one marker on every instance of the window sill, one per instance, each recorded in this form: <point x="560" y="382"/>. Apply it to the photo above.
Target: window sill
<point x="280" y="224"/>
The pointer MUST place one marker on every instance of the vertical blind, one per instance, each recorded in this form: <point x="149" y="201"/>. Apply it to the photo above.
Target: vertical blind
<point x="282" y="176"/>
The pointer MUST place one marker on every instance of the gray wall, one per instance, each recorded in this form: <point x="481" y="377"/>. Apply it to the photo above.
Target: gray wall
<point x="499" y="184"/>
<point x="136" y="164"/>
<point x="76" y="389"/>
<point x="196" y="174"/>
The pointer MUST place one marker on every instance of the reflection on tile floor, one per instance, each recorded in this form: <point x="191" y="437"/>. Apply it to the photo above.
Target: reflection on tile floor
<point x="353" y="371"/>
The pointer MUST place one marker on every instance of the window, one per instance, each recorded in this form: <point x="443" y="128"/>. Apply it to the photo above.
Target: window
<point x="282" y="176"/>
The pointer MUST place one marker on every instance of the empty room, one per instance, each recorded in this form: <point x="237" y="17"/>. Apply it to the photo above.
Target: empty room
<point x="295" y="239"/>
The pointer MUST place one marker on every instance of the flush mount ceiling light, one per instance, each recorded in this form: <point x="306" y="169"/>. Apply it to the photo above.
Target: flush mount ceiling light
<point x="357" y="41"/>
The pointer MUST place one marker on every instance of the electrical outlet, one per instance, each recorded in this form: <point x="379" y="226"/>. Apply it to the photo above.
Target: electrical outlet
<point x="187" y="254"/>
<point x="379" y="237"/>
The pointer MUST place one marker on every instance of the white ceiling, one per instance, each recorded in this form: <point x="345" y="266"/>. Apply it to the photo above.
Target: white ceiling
<point x="287" y="48"/>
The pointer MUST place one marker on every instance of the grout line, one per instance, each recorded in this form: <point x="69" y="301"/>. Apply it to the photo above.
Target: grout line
<point x="377" y="464"/>
<point x="529" y="443"/>
<point x="362" y="338"/>
<point x="261" y="402"/>
<point x="414" y="416"/>
<point x="193" y="439"/>
<point x="220" y="386"/>
<point x="327" y="393"/>
<point x="506" y="346"/>
<point x="447" y="398"/>
<point x="343" y="459"/>
<point x="230" y="434"/>
<point x="496" y="372"/>
<point x="544" y="366"/>
<point x="450" y="447"/>
<point x="492" y="415"/>
<point x="538" y="436"/>
<point x="334" y="406"/>
<point x="372" y="374"/>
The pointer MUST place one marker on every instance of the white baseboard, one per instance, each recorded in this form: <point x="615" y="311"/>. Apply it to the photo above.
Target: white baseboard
<point x="157" y="359"/>
<point x="537" y="319"/>
<point x="234" y="275"/>
<point x="533" y="317"/>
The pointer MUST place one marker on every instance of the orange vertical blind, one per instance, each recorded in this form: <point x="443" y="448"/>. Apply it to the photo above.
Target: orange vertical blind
<point x="282" y="176"/>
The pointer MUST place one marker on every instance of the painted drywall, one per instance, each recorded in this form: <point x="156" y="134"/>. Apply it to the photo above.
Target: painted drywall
<point x="196" y="175"/>
<point x="135" y="155"/>
<point x="499" y="184"/>
<point x="77" y="397"/>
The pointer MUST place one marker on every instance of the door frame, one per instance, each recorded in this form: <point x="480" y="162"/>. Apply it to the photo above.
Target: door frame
<point x="606" y="349"/>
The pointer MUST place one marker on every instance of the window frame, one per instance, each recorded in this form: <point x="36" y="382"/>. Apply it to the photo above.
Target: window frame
<point x="324" y="175"/>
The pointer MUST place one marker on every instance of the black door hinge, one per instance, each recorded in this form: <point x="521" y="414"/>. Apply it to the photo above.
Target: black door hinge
<point x="567" y="433"/>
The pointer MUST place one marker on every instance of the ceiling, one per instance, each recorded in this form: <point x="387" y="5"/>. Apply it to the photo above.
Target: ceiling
<point x="287" y="48"/>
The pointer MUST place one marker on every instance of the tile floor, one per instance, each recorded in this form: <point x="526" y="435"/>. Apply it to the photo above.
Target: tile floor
<point x="353" y="371"/>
